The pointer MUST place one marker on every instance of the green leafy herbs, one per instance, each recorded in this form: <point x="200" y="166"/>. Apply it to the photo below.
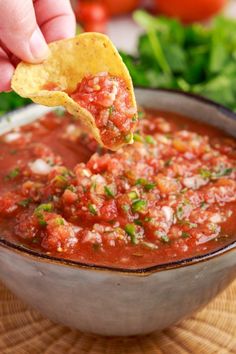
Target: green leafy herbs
<point x="164" y="238"/>
<point x="111" y="109"/>
<point x="10" y="101"/>
<point x="109" y="191"/>
<point x="92" y="209"/>
<point x="146" y="184"/>
<point x="39" y="213"/>
<point x="12" y="174"/>
<point x="204" y="173"/>
<point x="59" y="221"/>
<point x="150" y="140"/>
<point x="25" y="202"/>
<point x="192" y="58"/>
<point x="128" y="138"/>
<point x="185" y="234"/>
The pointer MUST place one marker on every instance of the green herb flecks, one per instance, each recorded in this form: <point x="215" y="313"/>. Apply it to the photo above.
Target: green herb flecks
<point x="39" y="213"/>
<point x="59" y="221"/>
<point x="128" y="138"/>
<point x="25" y="202"/>
<point x="109" y="191"/>
<point x="92" y="208"/>
<point x="205" y="173"/>
<point x="185" y="234"/>
<point x="164" y="238"/>
<point x="12" y="174"/>
<point x="150" y="140"/>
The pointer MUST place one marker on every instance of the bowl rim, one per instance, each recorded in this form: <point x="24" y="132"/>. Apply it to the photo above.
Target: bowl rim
<point x="43" y="257"/>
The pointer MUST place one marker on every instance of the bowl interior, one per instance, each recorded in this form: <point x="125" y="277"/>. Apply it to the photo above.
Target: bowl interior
<point x="191" y="106"/>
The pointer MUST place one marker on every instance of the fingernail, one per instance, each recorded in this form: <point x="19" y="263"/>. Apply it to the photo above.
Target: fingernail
<point x="38" y="46"/>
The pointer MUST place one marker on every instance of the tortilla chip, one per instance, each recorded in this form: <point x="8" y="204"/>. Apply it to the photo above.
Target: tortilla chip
<point x="69" y="62"/>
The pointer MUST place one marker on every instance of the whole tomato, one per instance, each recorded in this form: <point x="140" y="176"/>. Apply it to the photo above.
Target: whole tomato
<point x="190" y="10"/>
<point x="92" y="16"/>
<point x="118" y="7"/>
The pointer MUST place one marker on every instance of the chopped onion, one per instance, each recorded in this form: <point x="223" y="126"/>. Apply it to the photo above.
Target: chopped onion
<point x="40" y="167"/>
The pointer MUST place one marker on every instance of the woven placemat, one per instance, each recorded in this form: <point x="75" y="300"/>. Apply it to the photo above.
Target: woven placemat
<point x="212" y="330"/>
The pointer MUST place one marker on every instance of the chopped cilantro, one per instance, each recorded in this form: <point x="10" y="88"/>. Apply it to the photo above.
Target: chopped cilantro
<point x="71" y="188"/>
<point x="141" y="114"/>
<point x="44" y="207"/>
<point x="125" y="207"/>
<point x="205" y="173"/>
<point x="179" y="212"/>
<point x="165" y="238"/>
<point x="150" y="140"/>
<point x="47" y="207"/>
<point x="223" y="172"/>
<point x="12" y="174"/>
<point x="128" y="138"/>
<point x="141" y="182"/>
<point x="203" y="205"/>
<point x="185" y="234"/>
<point x="60" y="221"/>
<point x="109" y="192"/>
<point x="92" y="209"/>
<point x="111" y="109"/>
<point x="134" y="118"/>
<point x="138" y="222"/>
<point x="42" y="222"/>
<point x="25" y="202"/>
<point x="149" y="186"/>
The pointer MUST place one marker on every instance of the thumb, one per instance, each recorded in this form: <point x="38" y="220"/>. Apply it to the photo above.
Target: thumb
<point x="19" y="31"/>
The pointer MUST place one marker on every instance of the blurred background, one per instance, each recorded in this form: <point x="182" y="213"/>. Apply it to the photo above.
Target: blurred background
<point x="188" y="45"/>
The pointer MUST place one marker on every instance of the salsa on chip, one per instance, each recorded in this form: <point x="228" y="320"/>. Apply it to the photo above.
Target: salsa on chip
<point x="87" y="76"/>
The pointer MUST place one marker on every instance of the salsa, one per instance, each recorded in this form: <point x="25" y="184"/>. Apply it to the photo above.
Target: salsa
<point x="168" y="196"/>
<point x="108" y="100"/>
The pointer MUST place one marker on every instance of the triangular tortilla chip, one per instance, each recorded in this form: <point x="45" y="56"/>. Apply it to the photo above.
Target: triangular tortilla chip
<point x="69" y="62"/>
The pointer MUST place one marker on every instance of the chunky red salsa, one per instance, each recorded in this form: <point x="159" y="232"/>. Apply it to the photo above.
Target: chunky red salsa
<point x="108" y="100"/>
<point x="169" y="196"/>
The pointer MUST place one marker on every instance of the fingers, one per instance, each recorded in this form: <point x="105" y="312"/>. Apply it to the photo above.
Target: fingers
<point x="55" y="18"/>
<point x="19" y="31"/>
<point x="6" y="71"/>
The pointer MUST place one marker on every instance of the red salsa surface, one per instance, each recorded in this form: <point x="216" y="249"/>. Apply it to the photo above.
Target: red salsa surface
<point x="169" y="196"/>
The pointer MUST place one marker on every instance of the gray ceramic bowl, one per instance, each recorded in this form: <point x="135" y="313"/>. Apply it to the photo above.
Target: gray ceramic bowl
<point x="122" y="302"/>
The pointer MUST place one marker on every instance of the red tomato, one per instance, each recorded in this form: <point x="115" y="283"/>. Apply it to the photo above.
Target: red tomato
<point x="118" y="7"/>
<point x="190" y="11"/>
<point x="92" y="16"/>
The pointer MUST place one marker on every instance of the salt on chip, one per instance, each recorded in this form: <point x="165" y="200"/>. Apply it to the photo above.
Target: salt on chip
<point x="69" y="61"/>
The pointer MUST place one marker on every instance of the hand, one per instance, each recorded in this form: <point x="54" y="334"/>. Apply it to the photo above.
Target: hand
<point x="26" y="27"/>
